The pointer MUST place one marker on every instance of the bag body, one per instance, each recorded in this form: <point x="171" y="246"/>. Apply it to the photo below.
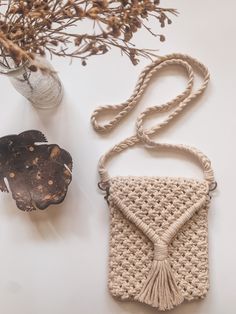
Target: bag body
<point x="159" y="202"/>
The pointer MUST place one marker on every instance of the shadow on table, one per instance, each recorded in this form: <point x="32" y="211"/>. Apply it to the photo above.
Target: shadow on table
<point x="194" y="307"/>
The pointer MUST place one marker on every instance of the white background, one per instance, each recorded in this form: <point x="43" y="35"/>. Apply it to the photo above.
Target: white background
<point x="55" y="261"/>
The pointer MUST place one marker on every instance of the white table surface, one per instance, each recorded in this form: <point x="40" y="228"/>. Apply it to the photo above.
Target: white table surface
<point x="55" y="261"/>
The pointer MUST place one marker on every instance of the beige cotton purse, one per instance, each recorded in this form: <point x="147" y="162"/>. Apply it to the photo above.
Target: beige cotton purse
<point x="158" y="225"/>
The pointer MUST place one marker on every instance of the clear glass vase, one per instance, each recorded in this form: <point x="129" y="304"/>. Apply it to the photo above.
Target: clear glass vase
<point x="43" y="89"/>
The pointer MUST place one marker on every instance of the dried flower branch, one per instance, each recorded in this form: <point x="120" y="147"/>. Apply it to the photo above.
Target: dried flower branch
<point x="30" y="27"/>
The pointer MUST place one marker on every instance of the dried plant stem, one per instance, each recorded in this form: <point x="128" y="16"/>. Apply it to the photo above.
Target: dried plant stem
<point x="32" y="27"/>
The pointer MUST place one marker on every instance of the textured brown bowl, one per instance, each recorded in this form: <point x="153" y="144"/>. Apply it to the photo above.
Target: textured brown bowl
<point x="38" y="174"/>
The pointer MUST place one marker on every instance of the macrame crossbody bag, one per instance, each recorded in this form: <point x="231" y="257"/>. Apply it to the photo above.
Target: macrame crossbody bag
<point x="158" y="232"/>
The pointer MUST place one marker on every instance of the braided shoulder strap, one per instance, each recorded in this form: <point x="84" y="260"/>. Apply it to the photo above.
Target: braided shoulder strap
<point x="177" y="105"/>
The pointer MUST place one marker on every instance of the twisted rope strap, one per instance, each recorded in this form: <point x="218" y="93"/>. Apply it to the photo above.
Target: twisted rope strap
<point x="160" y="289"/>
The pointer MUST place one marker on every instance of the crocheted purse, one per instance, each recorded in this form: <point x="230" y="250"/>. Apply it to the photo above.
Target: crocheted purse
<point x="158" y="233"/>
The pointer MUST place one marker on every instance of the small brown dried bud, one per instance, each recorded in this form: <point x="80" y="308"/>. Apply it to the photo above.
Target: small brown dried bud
<point x="104" y="35"/>
<point x="137" y="23"/>
<point x="162" y="38"/>
<point x="79" y="11"/>
<point x="33" y="68"/>
<point x="78" y="40"/>
<point x="128" y="36"/>
<point x="100" y="3"/>
<point x="93" y="12"/>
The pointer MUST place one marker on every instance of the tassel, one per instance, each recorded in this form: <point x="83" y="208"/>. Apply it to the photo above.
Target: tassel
<point x="160" y="289"/>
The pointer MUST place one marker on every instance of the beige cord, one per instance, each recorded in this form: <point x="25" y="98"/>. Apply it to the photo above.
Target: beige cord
<point x="143" y="135"/>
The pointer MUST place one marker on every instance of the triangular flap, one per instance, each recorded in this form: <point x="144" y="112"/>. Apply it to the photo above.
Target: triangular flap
<point x="157" y="202"/>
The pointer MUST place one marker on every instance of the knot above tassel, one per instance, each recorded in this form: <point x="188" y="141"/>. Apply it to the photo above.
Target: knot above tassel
<point x="160" y="289"/>
<point x="160" y="251"/>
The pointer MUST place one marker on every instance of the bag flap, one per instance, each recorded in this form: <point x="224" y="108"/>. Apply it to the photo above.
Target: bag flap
<point x="157" y="202"/>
